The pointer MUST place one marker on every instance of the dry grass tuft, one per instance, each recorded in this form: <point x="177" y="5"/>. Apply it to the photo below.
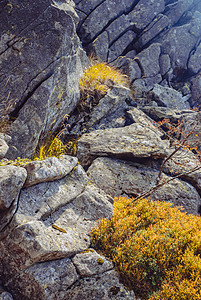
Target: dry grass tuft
<point x="98" y="79"/>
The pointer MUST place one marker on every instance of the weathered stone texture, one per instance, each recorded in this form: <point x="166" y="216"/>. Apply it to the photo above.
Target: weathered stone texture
<point x="40" y="52"/>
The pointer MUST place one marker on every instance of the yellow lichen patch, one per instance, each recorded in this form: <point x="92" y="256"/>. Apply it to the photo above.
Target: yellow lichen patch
<point x="58" y="228"/>
<point x="155" y="248"/>
<point x="100" y="261"/>
<point x="19" y="162"/>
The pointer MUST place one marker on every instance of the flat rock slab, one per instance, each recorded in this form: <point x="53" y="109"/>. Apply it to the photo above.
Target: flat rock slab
<point x="44" y="281"/>
<point x="49" y="169"/>
<point x="89" y="263"/>
<point x="134" y="141"/>
<point x="118" y="178"/>
<point x="168" y="97"/>
<point x="3" y="148"/>
<point x="104" y="286"/>
<point x="12" y="179"/>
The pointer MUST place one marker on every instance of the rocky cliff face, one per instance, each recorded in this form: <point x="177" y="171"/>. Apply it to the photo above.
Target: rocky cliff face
<point x="48" y="208"/>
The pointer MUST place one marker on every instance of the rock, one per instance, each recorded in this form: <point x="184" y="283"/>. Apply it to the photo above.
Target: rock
<point x="160" y="113"/>
<point x="44" y="281"/>
<point x="138" y="116"/>
<point x="43" y="199"/>
<point x="117" y="48"/>
<point x="103" y="286"/>
<point x="165" y="64"/>
<point x="133" y="141"/>
<point x="159" y="23"/>
<point x="144" y="12"/>
<point x="118" y="178"/>
<point x="143" y="85"/>
<point x="179" y="41"/>
<point x="5" y="137"/>
<point x="103" y="115"/>
<point x="196" y="91"/>
<point x="49" y="169"/>
<point x="51" y="224"/>
<point x="3" y="148"/>
<point x="130" y="67"/>
<point x="168" y="97"/>
<point x="194" y="63"/>
<point x="175" y="11"/>
<point x="41" y="56"/>
<point x="183" y="163"/>
<point x="6" y="296"/>
<point x="89" y="263"/>
<point x="149" y="60"/>
<point x="11" y="181"/>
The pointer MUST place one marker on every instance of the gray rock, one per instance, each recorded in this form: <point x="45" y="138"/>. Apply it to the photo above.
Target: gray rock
<point x="129" y="66"/>
<point x="11" y="181"/>
<point x="145" y="11"/>
<point x="174" y="11"/>
<point x="183" y="163"/>
<point x="120" y="45"/>
<point x="165" y="64"/>
<point x="118" y="178"/>
<point x="6" y="296"/>
<point x="44" y="281"/>
<point x="168" y="97"/>
<point x="41" y="56"/>
<point x="196" y="91"/>
<point x="194" y="63"/>
<point x="159" y="23"/>
<point x="3" y="148"/>
<point x="104" y="286"/>
<point x="160" y="113"/>
<point x="5" y="137"/>
<point x="105" y="12"/>
<point x="149" y="60"/>
<point x="138" y="116"/>
<point x="89" y="263"/>
<point x="44" y="198"/>
<point x="179" y="41"/>
<point x="53" y="220"/>
<point x="49" y="169"/>
<point x="143" y="85"/>
<point x="103" y="115"/>
<point x="128" y="142"/>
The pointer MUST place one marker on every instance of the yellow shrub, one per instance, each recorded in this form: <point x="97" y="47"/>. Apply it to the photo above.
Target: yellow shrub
<point x="99" y="78"/>
<point x="155" y="248"/>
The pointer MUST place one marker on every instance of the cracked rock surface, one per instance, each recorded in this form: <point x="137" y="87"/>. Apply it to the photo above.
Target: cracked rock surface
<point x="40" y="67"/>
<point x="44" y="247"/>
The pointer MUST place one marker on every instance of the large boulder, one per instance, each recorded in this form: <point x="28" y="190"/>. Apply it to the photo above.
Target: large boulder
<point x="118" y="178"/>
<point x="130" y="142"/>
<point x="40" y="67"/>
<point x="12" y="179"/>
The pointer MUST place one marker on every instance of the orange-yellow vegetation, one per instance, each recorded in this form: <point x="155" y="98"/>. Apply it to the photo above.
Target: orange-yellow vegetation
<point x="156" y="248"/>
<point x="55" y="147"/>
<point x="99" y="78"/>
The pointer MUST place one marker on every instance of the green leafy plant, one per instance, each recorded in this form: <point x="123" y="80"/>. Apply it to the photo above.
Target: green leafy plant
<point x="156" y="248"/>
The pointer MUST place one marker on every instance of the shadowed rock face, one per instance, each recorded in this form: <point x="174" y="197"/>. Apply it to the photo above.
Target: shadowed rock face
<point x="40" y="68"/>
<point x="115" y="28"/>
